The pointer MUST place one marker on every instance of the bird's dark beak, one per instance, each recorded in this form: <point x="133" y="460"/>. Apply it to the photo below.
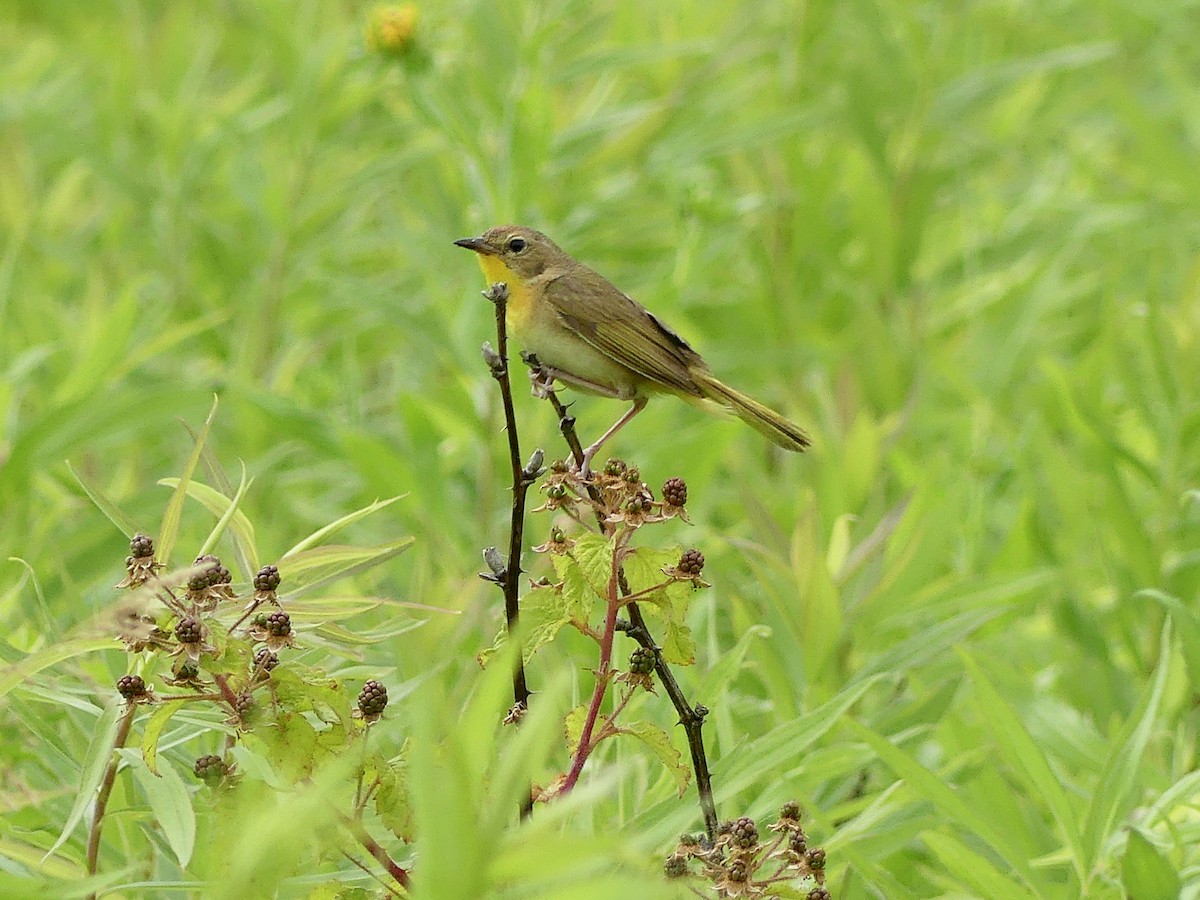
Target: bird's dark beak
<point x="478" y="244"/>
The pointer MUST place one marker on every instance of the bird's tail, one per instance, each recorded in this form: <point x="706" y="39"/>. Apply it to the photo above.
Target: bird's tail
<point x="774" y="427"/>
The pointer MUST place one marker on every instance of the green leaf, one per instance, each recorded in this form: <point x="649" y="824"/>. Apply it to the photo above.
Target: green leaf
<point x="1123" y="766"/>
<point x="584" y="572"/>
<point x="974" y="870"/>
<point x="104" y="504"/>
<point x="543" y="614"/>
<point x="169" y="529"/>
<point x="48" y="656"/>
<point x="169" y="802"/>
<point x="660" y="744"/>
<point x="309" y="570"/>
<point x="1026" y="760"/>
<point x="573" y="727"/>
<point x="668" y="600"/>
<point x="1146" y="873"/>
<point x="91" y="768"/>
<point x="155" y="726"/>
<point x="226" y="511"/>
<point x="930" y="787"/>
<point x="349" y="519"/>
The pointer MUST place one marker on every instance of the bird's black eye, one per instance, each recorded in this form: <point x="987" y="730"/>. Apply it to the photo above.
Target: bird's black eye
<point x="516" y="244"/>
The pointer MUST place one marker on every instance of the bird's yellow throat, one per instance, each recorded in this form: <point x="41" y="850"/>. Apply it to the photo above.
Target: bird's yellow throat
<point x="520" y="298"/>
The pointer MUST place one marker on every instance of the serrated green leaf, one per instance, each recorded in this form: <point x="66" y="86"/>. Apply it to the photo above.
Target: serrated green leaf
<point x="169" y="802"/>
<point x="678" y="645"/>
<point x="169" y="529"/>
<point x="594" y="553"/>
<point x="573" y="727"/>
<point x="543" y="614"/>
<point x="1147" y="873"/>
<point x="660" y="744"/>
<point x="155" y="726"/>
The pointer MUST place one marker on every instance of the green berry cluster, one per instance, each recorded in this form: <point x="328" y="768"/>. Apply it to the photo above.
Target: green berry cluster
<point x="210" y="768"/>
<point x="641" y="661"/>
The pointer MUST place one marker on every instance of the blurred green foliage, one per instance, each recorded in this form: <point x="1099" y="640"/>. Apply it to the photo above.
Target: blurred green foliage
<point x="958" y="241"/>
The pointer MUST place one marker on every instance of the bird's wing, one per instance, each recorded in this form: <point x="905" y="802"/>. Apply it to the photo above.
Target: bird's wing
<point x="621" y="328"/>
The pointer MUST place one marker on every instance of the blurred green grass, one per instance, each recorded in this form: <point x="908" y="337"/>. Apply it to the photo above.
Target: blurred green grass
<point x="958" y="241"/>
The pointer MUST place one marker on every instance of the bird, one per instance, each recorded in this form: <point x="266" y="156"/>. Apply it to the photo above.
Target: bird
<point x="593" y="337"/>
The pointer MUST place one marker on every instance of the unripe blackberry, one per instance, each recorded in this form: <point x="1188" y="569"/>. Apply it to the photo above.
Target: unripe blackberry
<point x="141" y="546"/>
<point x="738" y="871"/>
<point x="633" y="475"/>
<point x="639" y="505"/>
<point x="687" y="839"/>
<point x="131" y="686"/>
<point x="556" y="492"/>
<point x="744" y="833"/>
<point x="691" y="562"/>
<point x="207" y="576"/>
<point x="725" y="827"/>
<point x="675" y="867"/>
<point x="557" y="536"/>
<point x="278" y="624"/>
<point x="790" y="810"/>
<point x="372" y="699"/>
<point x="816" y="859"/>
<point x="265" y="660"/>
<point x="641" y="661"/>
<point x="189" y="631"/>
<point x="210" y="768"/>
<point x="559" y="467"/>
<point x="220" y="575"/>
<point x="187" y="671"/>
<point x="819" y="893"/>
<point x="798" y="843"/>
<point x="614" y="467"/>
<point x="674" y="491"/>
<point x="266" y="579"/>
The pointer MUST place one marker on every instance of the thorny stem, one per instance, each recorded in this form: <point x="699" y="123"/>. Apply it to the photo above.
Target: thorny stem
<point x="691" y="720"/>
<point x="522" y="478"/>
<point x="510" y="581"/>
<point x="106" y="786"/>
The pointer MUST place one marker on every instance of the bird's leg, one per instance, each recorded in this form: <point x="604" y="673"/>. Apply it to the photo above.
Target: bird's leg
<point x="639" y="403"/>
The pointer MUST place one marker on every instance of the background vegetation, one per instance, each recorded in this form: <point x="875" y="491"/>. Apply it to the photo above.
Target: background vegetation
<point x="956" y="240"/>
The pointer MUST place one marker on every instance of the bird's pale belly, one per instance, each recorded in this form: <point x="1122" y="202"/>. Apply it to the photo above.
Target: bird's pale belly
<point x="578" y="363"/>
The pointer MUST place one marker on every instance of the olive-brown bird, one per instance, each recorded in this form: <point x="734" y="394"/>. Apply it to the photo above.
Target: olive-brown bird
<point x="595" y="338"/>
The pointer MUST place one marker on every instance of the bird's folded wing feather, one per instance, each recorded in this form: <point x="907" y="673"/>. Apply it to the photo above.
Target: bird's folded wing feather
<point x="624" y="330"/>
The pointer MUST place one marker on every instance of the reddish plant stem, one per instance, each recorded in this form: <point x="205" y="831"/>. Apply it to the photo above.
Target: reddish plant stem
<point x="381" y="855"/>
<point x="604" y="670"/>
<point x="106" y="786"/>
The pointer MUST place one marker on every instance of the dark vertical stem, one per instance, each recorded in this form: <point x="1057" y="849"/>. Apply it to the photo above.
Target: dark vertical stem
<point x="510" y="580"/>
<point x="692" y="719"/>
